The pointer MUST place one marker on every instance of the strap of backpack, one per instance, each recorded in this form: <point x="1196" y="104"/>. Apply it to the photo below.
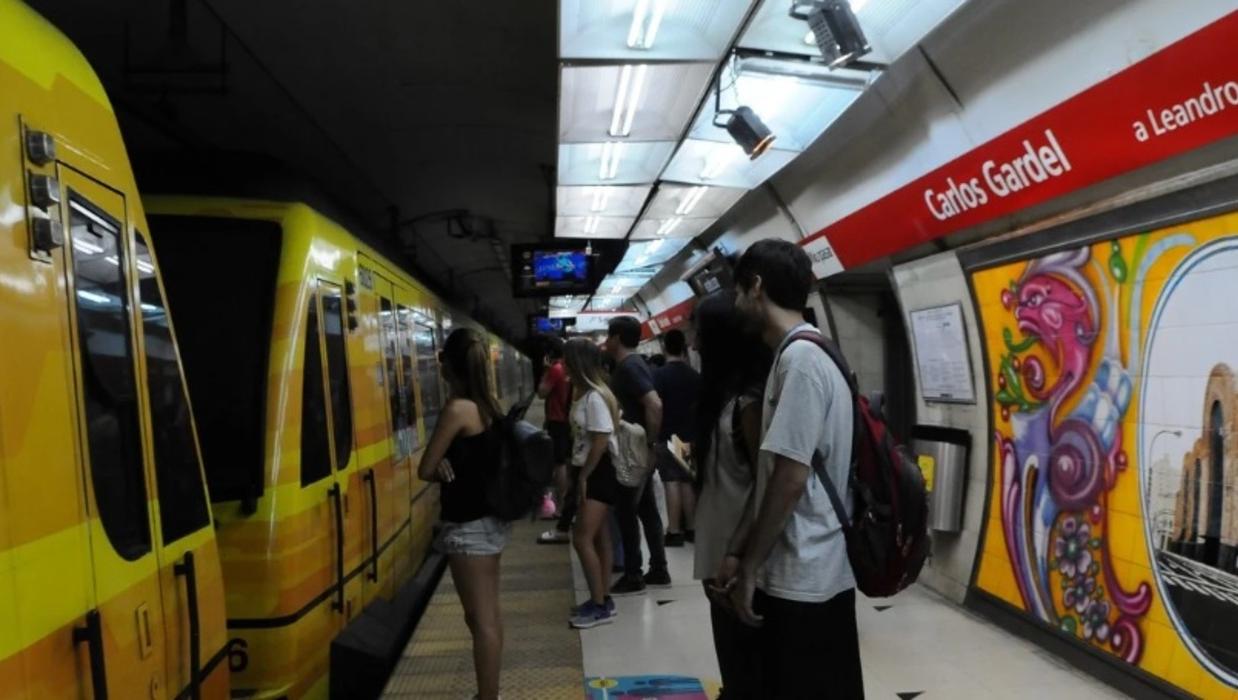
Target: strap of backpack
<point x="818" y="462"/>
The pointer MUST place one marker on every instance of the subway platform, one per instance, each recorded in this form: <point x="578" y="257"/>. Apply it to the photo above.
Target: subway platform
<point x="914" y="645"/>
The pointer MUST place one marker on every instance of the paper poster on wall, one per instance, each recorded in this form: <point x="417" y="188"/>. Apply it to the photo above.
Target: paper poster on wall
<point x="941" y="354"/>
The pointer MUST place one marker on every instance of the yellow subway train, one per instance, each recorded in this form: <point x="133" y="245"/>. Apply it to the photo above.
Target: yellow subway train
<point x="203" y="510"/>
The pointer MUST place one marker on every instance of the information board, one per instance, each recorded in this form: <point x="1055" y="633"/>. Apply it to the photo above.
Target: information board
<point x="942" y="360"/>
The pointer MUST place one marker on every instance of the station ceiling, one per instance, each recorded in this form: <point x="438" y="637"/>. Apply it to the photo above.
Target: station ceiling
<point x="432" y="125"/>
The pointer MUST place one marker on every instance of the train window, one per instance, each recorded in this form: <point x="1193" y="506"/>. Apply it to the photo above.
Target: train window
<point x="315" y="448"/>
<point x="182" y="496"/>
<point x="427" y="371"/>
<point x="404" y="318"/>
<point x="387" y="322"/>
<point x="109" y="389"/>
<point x="337" y="374"/>
<point x="224" y="354"/>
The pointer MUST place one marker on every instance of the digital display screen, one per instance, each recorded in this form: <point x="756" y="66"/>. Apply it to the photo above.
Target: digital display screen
<point x="560" y="266"/>
<point x="542" y="324"/>
<point x="539" y="270"/>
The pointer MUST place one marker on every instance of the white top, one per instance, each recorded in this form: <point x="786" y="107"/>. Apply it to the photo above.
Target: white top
<point x="728" y="480"/>
<point x="590" y="415"/>
<point x="808" y="409"/>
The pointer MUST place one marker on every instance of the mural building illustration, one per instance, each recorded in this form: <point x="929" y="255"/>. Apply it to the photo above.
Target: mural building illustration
<point x="1112" y="515"/>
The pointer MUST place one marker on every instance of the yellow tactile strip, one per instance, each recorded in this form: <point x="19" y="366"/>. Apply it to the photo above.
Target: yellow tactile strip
<point x="541" y="656"/>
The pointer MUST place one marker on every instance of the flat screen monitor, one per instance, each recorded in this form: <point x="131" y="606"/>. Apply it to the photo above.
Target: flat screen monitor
<point x="549" y="326"/>
<point x="545" y="271"/>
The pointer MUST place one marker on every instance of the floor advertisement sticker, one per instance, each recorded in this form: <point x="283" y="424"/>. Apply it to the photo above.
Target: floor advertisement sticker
<point x="644" y="687"/>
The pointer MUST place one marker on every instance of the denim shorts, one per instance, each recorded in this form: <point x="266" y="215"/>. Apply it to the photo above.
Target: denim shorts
<point x="477" y="538"/>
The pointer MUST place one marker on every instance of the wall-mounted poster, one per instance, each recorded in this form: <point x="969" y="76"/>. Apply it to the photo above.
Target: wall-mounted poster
<point x="1113" y="515"/>
<point x="942" y="357"/>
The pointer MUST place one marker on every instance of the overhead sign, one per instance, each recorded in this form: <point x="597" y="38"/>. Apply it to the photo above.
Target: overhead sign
<point x="673" y="317"/>
<point x="1178" y="99"/>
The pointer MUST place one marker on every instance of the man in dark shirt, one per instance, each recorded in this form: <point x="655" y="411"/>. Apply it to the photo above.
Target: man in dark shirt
<point x="677" y="385"/>
<point x="632" y="384"/>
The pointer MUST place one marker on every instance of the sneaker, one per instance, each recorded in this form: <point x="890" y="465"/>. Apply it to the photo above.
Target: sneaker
<point x="553" y="537"/>
<point x="628" y="585"/>
<point x="673" y="539"/>
<point x="610" y="607"/>
<point x="590" y="615"/>
<point x="658" y="578"/>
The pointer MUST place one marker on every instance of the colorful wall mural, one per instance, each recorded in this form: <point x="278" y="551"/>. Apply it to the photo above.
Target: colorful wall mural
<point x="1113" y="515"/>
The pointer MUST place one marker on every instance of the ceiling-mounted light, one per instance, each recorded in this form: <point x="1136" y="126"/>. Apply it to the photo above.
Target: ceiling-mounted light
<point x="835" y="28"/>
<point x="689" y="202"/>
<point x="600" y="197"/>
<point x="612" y="152"/>
<point x="627" y="99"/>
<point x="750" y="132"/>
<point x="591" y="225"/>
<point x="645" y="24"/>
<point x="669" y="225"/>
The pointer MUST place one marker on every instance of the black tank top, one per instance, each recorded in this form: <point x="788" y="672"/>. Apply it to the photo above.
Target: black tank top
<point x="474" y="460"/>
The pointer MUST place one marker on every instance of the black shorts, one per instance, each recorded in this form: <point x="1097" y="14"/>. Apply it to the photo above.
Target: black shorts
<point x="561" y="438"/>
<point x="669" y="468"/>
<point x="603" y="484"/>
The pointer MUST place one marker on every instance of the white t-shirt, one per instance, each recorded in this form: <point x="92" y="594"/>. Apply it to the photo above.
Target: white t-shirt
<point x="590" y="414"/>
<point x="808" y="409"/>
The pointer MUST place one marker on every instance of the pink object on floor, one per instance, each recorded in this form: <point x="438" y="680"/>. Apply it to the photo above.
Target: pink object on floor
<point x="548" y="507"/>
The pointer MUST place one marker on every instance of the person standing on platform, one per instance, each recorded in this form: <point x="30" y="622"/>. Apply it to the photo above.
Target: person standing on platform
<point x="463" y="454"/>
<point x="556" y="389"/>
<point x="632" y="383"/>
<point x="595" y="417"/>
<point x="786" y="570"/>
<point x="677" y="385"/>
<point x="734" y="365"/>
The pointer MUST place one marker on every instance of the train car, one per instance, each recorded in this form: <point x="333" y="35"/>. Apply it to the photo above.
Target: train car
<point x="110" y="581"/>
<point x="312" y="363"/>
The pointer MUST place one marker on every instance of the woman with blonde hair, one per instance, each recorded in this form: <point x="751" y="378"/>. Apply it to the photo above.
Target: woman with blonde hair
<point x="594" y="418"/>
<point x="463" y="454"/>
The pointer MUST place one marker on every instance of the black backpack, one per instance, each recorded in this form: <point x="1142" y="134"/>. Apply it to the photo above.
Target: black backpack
<point x="887" y="535"/>
<point x="525" y="468"/>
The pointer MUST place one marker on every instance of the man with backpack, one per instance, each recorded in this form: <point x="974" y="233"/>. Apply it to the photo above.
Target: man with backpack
<point x="787" y="569"/>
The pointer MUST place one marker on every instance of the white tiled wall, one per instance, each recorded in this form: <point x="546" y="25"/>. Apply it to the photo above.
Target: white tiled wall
<point x="924" y="283"/>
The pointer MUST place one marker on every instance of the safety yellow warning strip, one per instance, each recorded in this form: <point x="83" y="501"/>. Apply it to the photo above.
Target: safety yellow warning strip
<point x="541" y="655"/>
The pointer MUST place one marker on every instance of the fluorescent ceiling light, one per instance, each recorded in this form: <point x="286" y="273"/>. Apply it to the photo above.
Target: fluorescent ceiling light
<point x="691" y="201"/>
<point x="87" y="246"/>
<point x="93" y="296"/>
<point x="646" y="257"/>
<point x="893" y="27"/>
<point x="637" y="102"/>
<point x="621" y="163"/>
<point x="669" y="225"/>
<point x="601" y="200"/>
<point x="651" y="229"/>
<point x="697" y="30"/>
<point x="722" y="164"/>
<point x="593" y="226"/>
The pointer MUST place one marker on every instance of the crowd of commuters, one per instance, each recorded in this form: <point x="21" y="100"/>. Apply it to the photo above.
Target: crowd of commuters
<point x="735" y="447"/>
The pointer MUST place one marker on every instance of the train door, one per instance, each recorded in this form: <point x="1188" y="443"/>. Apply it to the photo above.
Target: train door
<point x="124" y="633"/>
<point x="411" y="411"/>
<point x="326" y="425"/>
<point x="395" y="429"/>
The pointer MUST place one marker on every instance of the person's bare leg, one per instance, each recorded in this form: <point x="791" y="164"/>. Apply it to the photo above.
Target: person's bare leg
<point x="606" y="552"/>
<point x="589" y="521"/>
<point x="560" y="487"/>
<point x="477" y="584"/>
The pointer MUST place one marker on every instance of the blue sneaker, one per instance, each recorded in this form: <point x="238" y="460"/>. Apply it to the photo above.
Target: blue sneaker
<point x="591" y="615"/>
<point x="610" y="608"/>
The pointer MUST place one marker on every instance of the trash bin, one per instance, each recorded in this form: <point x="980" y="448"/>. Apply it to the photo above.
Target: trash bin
<point x="942" y="456"/>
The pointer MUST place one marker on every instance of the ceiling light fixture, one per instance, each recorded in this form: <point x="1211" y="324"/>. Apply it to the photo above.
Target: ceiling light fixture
<point x="669" y="225"/>
<point x="591" y="225"/>
<point x="600" y="197"/>
<point x="743" y="124"/>
<point x="627" y="99"/>
<point x="835" y="29"/>
<point x="612" y="152"/>
<point x="689" y="202"/>
<point x="645" y="24"/>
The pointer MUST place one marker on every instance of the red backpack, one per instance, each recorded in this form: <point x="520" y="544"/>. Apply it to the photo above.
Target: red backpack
<point x="887" y="534"/>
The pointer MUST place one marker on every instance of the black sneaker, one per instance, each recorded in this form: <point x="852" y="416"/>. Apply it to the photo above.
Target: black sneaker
<point x="658" y="578"/>
<point x="673" y="539"/>
<point x="628" y="585"/>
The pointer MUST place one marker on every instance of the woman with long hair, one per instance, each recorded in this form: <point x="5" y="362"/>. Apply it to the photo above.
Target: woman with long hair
<point x="463" y="454"/>
<point x="594" y="417"/>
<point x="734" y="366"/>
